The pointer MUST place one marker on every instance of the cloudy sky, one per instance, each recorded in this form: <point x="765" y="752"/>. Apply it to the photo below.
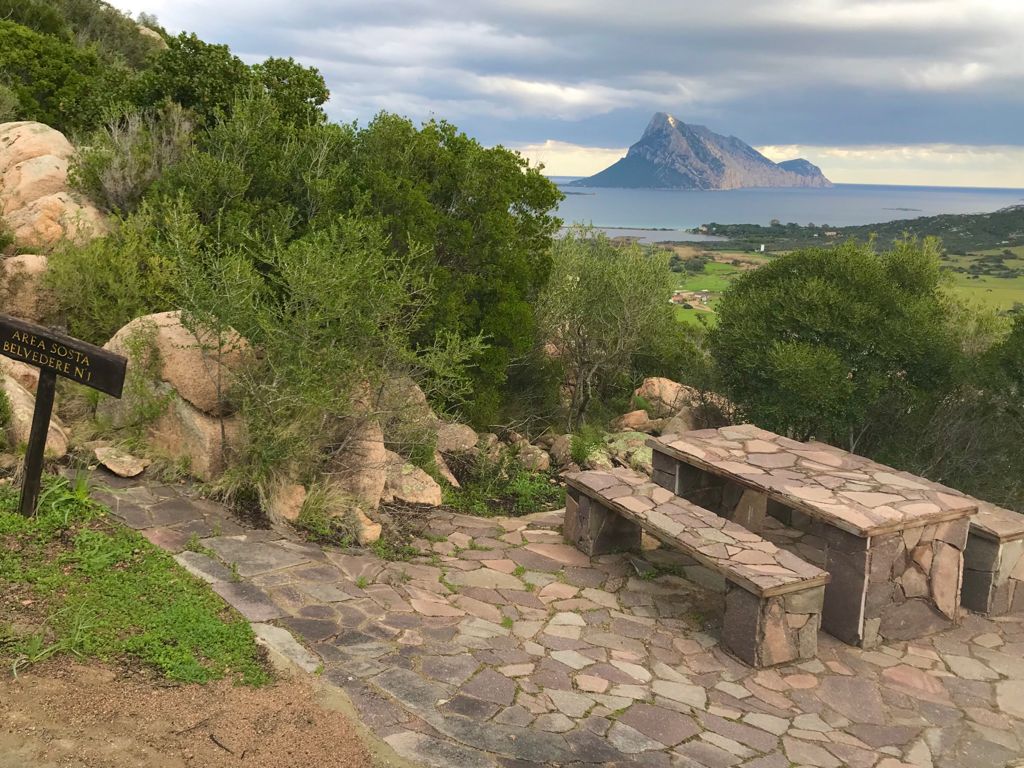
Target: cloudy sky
<point x="874" y="91"/>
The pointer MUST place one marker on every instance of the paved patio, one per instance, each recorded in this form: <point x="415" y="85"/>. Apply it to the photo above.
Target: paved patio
<point x="501" y="646"/>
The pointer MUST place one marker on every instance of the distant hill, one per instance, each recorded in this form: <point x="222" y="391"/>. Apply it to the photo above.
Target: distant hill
<point x="674" y="155"/>
<point x="960" y="232"/>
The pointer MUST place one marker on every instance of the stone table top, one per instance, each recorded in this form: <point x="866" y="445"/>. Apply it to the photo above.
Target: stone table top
<point x="996" y="523"/>
<point x="726" y="547"/>
<point x="845" y="490"/>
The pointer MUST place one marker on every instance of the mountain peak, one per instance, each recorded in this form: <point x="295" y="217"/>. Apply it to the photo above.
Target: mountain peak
<point x="672" y="154"/>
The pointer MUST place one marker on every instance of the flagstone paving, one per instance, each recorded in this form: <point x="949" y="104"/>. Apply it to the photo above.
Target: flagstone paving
<point x="501" y="647"/>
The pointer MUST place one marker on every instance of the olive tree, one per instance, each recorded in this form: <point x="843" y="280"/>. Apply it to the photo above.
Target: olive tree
<point x="601" y="305"/>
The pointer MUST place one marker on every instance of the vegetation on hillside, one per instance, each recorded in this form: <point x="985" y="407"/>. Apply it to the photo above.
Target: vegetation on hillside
<point x="351" y="255"/>
<point x="959" y="232"/>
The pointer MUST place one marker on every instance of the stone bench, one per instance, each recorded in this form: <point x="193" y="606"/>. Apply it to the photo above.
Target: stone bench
<point x="773" y="599"/>
<point x="994" y="562"/>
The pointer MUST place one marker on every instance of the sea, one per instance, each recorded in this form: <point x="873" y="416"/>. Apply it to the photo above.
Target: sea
<point x="653" y="215"/>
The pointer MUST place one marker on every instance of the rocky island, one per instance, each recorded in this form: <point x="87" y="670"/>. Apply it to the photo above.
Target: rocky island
<point x="672" y="154"/>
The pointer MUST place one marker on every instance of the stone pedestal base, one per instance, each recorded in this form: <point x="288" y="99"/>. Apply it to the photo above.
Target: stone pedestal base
<point x="763" y="632"/>
<point x="993" y="572"/>
<point x="595" y="530"/>
<point x="898" y="586"/>
<point x="895" y="586"/>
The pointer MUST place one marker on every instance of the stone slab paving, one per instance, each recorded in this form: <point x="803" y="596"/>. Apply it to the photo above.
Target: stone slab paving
<point x="502" y="648"/>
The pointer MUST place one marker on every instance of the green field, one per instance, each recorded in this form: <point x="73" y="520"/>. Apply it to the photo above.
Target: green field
<point x="987" y="290"/>
<point x="977" y="289"/>
<point x="716" y="277"/>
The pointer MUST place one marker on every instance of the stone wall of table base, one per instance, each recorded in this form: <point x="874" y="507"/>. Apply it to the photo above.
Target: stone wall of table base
<point x="763" y="632"/>
<point x="912" y="586"/>
<point x="595" y="530"/>
<point x="993" y="572"/>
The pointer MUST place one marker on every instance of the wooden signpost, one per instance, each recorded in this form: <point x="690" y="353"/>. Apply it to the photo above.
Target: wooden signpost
<point x="55" y="355"/>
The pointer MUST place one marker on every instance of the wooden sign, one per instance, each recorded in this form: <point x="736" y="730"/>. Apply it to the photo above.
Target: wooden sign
<point x="54" y="354"/>
<point x="52" y="351"/>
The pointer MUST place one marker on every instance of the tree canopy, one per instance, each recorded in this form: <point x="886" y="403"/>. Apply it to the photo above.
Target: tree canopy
<point x="827" y="342"/>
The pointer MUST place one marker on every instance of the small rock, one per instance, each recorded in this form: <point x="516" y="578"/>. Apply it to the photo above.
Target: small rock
<point x="119" y="462"/>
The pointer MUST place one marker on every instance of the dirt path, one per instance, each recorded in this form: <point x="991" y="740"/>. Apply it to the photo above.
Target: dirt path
<point x="91" y="716"/>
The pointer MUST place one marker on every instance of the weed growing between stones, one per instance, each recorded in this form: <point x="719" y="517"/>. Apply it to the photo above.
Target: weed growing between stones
<point x="75" y="582"/>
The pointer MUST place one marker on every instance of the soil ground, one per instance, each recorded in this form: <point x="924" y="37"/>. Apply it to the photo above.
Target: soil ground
<point x="62" y="713"/>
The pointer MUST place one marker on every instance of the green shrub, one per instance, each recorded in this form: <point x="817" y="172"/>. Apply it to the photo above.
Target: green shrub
<point x="504" y="487"/>
<point x="128" y="154"/>
<point x="9" y="104"/>
<point x="102" y="285"/>
<point x="54" y="82"/>
<point x="588" y="438"/>
<point x="836" y="343"/>
<point x="602" y="302"/>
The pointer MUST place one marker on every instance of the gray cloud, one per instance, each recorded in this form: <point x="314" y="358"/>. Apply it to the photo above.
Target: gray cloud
<point x="818" y="72"/>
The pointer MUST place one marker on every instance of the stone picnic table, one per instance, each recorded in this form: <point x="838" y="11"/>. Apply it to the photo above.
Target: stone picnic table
<point x="893" y="543"/>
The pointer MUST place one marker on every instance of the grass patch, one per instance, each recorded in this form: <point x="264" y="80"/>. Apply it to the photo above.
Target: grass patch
<point x="73" y="581"/>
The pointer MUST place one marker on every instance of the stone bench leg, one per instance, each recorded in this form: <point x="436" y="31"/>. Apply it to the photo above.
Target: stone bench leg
<point x="992" y="570"/>
<point x="764" y="632"/>
<point x="596" y="530"/>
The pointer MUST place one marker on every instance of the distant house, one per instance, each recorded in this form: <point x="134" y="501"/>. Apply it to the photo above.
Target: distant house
<point x="831" y="233"/>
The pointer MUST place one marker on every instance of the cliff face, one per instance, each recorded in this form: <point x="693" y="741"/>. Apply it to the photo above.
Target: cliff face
<point x="674" y="155"/>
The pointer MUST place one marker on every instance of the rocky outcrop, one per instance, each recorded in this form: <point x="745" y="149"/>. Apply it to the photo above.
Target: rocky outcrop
<point x="23" y="373"/>
<point x="675" y="407"/>
<point x="674" y="155"/>
<point x="561" y="451"/>
<point x="663" y="397"/>
<point x="531" y="456"/>
<point x="199" y="368"/>
<point x="205" y="443"/>
<point x="35" y="200"/>
<point x="409" y="484"/>
<point x="359" y="470"/>
<point x="177" y="386"/>
<point x="455" y="438"/>
<point x="154" y="37"/>
<point x="23" y="405"/>
<point x="284" y="501"/>
<point x="22" y="292"/>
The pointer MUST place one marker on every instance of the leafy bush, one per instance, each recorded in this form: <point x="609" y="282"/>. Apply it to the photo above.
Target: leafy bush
<point x="588" y="438"/>
<point x="202" y="77"/>
<point x="134" y="271"/>
<point x="128" y="154"/>
<point x="9" y="104"/>
<point x="835" y="343"/>
<point x="54" y="82"/>
<point x="331" y="315"/>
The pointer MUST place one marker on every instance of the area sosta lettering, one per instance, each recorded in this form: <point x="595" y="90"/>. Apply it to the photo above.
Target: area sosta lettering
<point x="48" y="353"/>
